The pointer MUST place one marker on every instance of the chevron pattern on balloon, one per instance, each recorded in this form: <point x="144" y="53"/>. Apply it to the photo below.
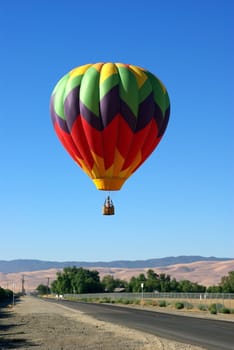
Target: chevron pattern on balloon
<point x="109" y="117"/>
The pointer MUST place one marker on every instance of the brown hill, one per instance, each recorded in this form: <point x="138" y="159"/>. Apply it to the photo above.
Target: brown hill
<point x="203" y="272"/>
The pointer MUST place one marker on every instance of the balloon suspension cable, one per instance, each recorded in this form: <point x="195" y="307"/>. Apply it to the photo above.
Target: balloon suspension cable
<point x="108" y="206"/>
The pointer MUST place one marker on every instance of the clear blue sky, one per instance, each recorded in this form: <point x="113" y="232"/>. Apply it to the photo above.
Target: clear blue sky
<point x="178" y="203"/>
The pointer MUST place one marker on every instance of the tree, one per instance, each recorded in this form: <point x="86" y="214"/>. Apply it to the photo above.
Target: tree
<point x="227" y="283"/>
<point x="174" y="285"/>
<point x="77" y="280"/>
<point x="152" y="282"/>
<point x="214" y="289"/>
<point x="187" y="286"/>
<point x="5" y="294"/>
<point x="135" y="283"/>
<point x="43" y="289"/>
<point x="165" y="281"/>
<point x="109" y="283"/>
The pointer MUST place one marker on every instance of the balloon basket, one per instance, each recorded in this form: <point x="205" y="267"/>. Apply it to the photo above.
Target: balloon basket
<point x="108" y="207"/>
<point x="108" y="211"/>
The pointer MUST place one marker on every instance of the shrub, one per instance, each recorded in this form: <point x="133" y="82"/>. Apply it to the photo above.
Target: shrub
<point x="219" y="307"/>
<point x="119" y="301"/>
<point x="105" y="300"/>
<point x="122" y="301"/>
<point x="126" y="301"/>
<point x="213" y="309"/>
<point x="188" y="306"/>
<point x="202" y="307"/>
<point x="225" y="310"/>
<point x="8" y="293"/>
<point x="162" y="303"/>
<point x="85" y="300"/>
<point x="5" y="294"/>
<point x="179" y="305"/>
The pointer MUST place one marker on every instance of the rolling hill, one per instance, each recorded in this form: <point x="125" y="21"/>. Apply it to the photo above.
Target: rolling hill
<point x="22" y="265"/>
<point x="206" y="272"/>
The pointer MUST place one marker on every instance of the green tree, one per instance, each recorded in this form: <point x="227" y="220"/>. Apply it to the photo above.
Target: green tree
<point x="5" y="294"/>
<point x="174" y="285"/>
<point x="152" y="282"/>
<point x="77" y="280"/>
<point x="214" y="289"/>
<point x="54" y="287"/>
<point x="43" y="289"/>
<point x="121" y="283"/>
<point x="187" y="286"/>
<point x="132" y="284"/>
<point x="63" y="284"/>
<point x="135" y="283"/>
<point x="227" y="283"/>
<point x="165" y="281"/>
<point x="109" y="283"/>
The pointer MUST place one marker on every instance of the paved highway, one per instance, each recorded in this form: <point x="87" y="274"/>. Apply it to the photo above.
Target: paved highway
<point x="210" y="334"/>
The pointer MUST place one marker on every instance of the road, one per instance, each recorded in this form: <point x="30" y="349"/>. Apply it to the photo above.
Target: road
<point x="210" y="334"/>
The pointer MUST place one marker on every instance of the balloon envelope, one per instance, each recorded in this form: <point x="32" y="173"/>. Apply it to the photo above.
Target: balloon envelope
<point x="109" y="117"/>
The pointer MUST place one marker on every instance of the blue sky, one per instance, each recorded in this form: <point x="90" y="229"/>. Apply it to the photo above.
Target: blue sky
<point x="180" y="202"/>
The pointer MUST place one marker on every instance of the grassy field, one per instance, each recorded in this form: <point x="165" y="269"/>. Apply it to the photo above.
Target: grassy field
<point x="219" y="305"/>
<point x="210" y="305"/>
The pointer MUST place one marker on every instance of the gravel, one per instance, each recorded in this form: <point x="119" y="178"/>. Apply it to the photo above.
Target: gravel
<point x="34" y="323"/>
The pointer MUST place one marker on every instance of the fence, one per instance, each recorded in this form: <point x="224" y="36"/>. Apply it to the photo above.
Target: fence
<point x="226" y="299"/>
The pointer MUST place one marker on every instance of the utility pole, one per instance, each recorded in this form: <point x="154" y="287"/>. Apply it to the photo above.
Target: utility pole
<point x="13" y="294"/>
<point x="48" y="285"/>
<point x="22" y="288"/>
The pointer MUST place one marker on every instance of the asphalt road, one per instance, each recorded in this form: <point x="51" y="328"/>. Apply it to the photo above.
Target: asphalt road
<point x="210" y="334"/>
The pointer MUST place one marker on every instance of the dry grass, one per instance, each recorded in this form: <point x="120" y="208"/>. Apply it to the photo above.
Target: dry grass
<point x="228" y="303"/>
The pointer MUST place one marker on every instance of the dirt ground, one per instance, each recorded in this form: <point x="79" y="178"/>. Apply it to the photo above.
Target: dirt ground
<point x="35" y="323"/>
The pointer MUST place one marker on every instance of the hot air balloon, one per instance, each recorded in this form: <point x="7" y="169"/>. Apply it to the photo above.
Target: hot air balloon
<point x="109" y="117"/>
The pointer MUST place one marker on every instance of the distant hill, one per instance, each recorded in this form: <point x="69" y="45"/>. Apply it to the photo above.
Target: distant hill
<point x="205" y="272"/>
<point x="22" y="265"/>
